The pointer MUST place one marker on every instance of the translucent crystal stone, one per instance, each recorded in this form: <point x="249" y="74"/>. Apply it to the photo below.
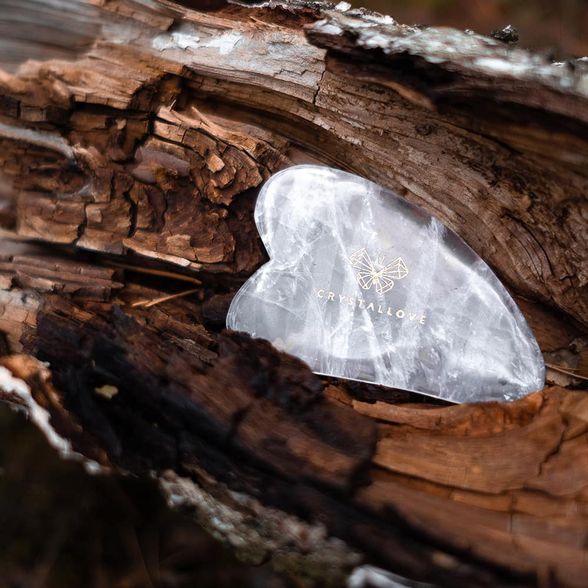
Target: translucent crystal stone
<point x="365" y="286"/>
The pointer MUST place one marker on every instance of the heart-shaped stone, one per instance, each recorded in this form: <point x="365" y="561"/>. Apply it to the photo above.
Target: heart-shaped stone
<point x="365" y="286"/>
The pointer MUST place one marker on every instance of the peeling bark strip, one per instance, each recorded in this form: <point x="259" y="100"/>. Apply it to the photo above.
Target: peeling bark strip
<point x="446" y="65"/>
<point x="141" y="134"/>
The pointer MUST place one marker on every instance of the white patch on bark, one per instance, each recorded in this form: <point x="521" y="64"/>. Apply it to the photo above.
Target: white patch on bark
<point x="186" y="38"/>
<point x="176" y="40"/>
<point x="225" y="43"/>
<point x="372" y="577"/>
<point x="499" y="65"/>
<point x="256" y="531"/>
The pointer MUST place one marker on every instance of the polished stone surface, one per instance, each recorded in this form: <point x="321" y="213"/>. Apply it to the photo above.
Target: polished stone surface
<point x="365" y="286"/>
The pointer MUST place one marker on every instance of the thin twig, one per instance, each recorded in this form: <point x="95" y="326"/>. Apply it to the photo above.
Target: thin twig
<point x="155" y="272"/>
<point x="568" y="372"/>
<point x="153" y="302"/>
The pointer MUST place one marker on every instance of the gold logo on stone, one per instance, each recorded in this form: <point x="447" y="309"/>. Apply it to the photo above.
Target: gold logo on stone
<point x="377" y="273"/>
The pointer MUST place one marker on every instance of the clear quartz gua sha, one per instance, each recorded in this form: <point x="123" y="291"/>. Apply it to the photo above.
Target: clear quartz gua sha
<point x="365" y="286"/>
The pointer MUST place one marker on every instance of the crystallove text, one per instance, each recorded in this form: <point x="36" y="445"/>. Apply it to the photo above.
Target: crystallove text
<point x="370" y="306"/>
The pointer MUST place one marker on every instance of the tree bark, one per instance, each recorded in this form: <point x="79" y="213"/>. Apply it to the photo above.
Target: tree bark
<point x="133" y="139"/>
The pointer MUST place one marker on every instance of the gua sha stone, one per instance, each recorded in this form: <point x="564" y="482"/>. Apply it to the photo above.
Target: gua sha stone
<point x="365" y="286"/>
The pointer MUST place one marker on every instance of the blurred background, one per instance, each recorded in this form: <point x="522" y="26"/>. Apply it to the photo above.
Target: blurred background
<point x="61" y="528"/>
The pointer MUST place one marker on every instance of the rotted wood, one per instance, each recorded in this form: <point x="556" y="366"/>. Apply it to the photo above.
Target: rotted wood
<point x="132" y="152"/>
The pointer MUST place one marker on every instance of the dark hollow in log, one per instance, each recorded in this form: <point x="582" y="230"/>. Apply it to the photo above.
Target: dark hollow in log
<point x="134" y="137"/>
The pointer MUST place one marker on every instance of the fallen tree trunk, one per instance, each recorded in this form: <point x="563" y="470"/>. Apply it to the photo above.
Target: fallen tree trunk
<point x="133" y="151"/>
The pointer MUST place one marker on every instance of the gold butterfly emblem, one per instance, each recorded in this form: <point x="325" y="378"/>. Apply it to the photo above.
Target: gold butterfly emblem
<point x="377" y="273"/>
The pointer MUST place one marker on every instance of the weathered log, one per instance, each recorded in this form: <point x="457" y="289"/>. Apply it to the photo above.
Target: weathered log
<point x="133" y="151"/>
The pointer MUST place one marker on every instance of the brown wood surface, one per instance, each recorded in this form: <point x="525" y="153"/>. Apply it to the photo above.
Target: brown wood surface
<point x="133" y="139"/>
